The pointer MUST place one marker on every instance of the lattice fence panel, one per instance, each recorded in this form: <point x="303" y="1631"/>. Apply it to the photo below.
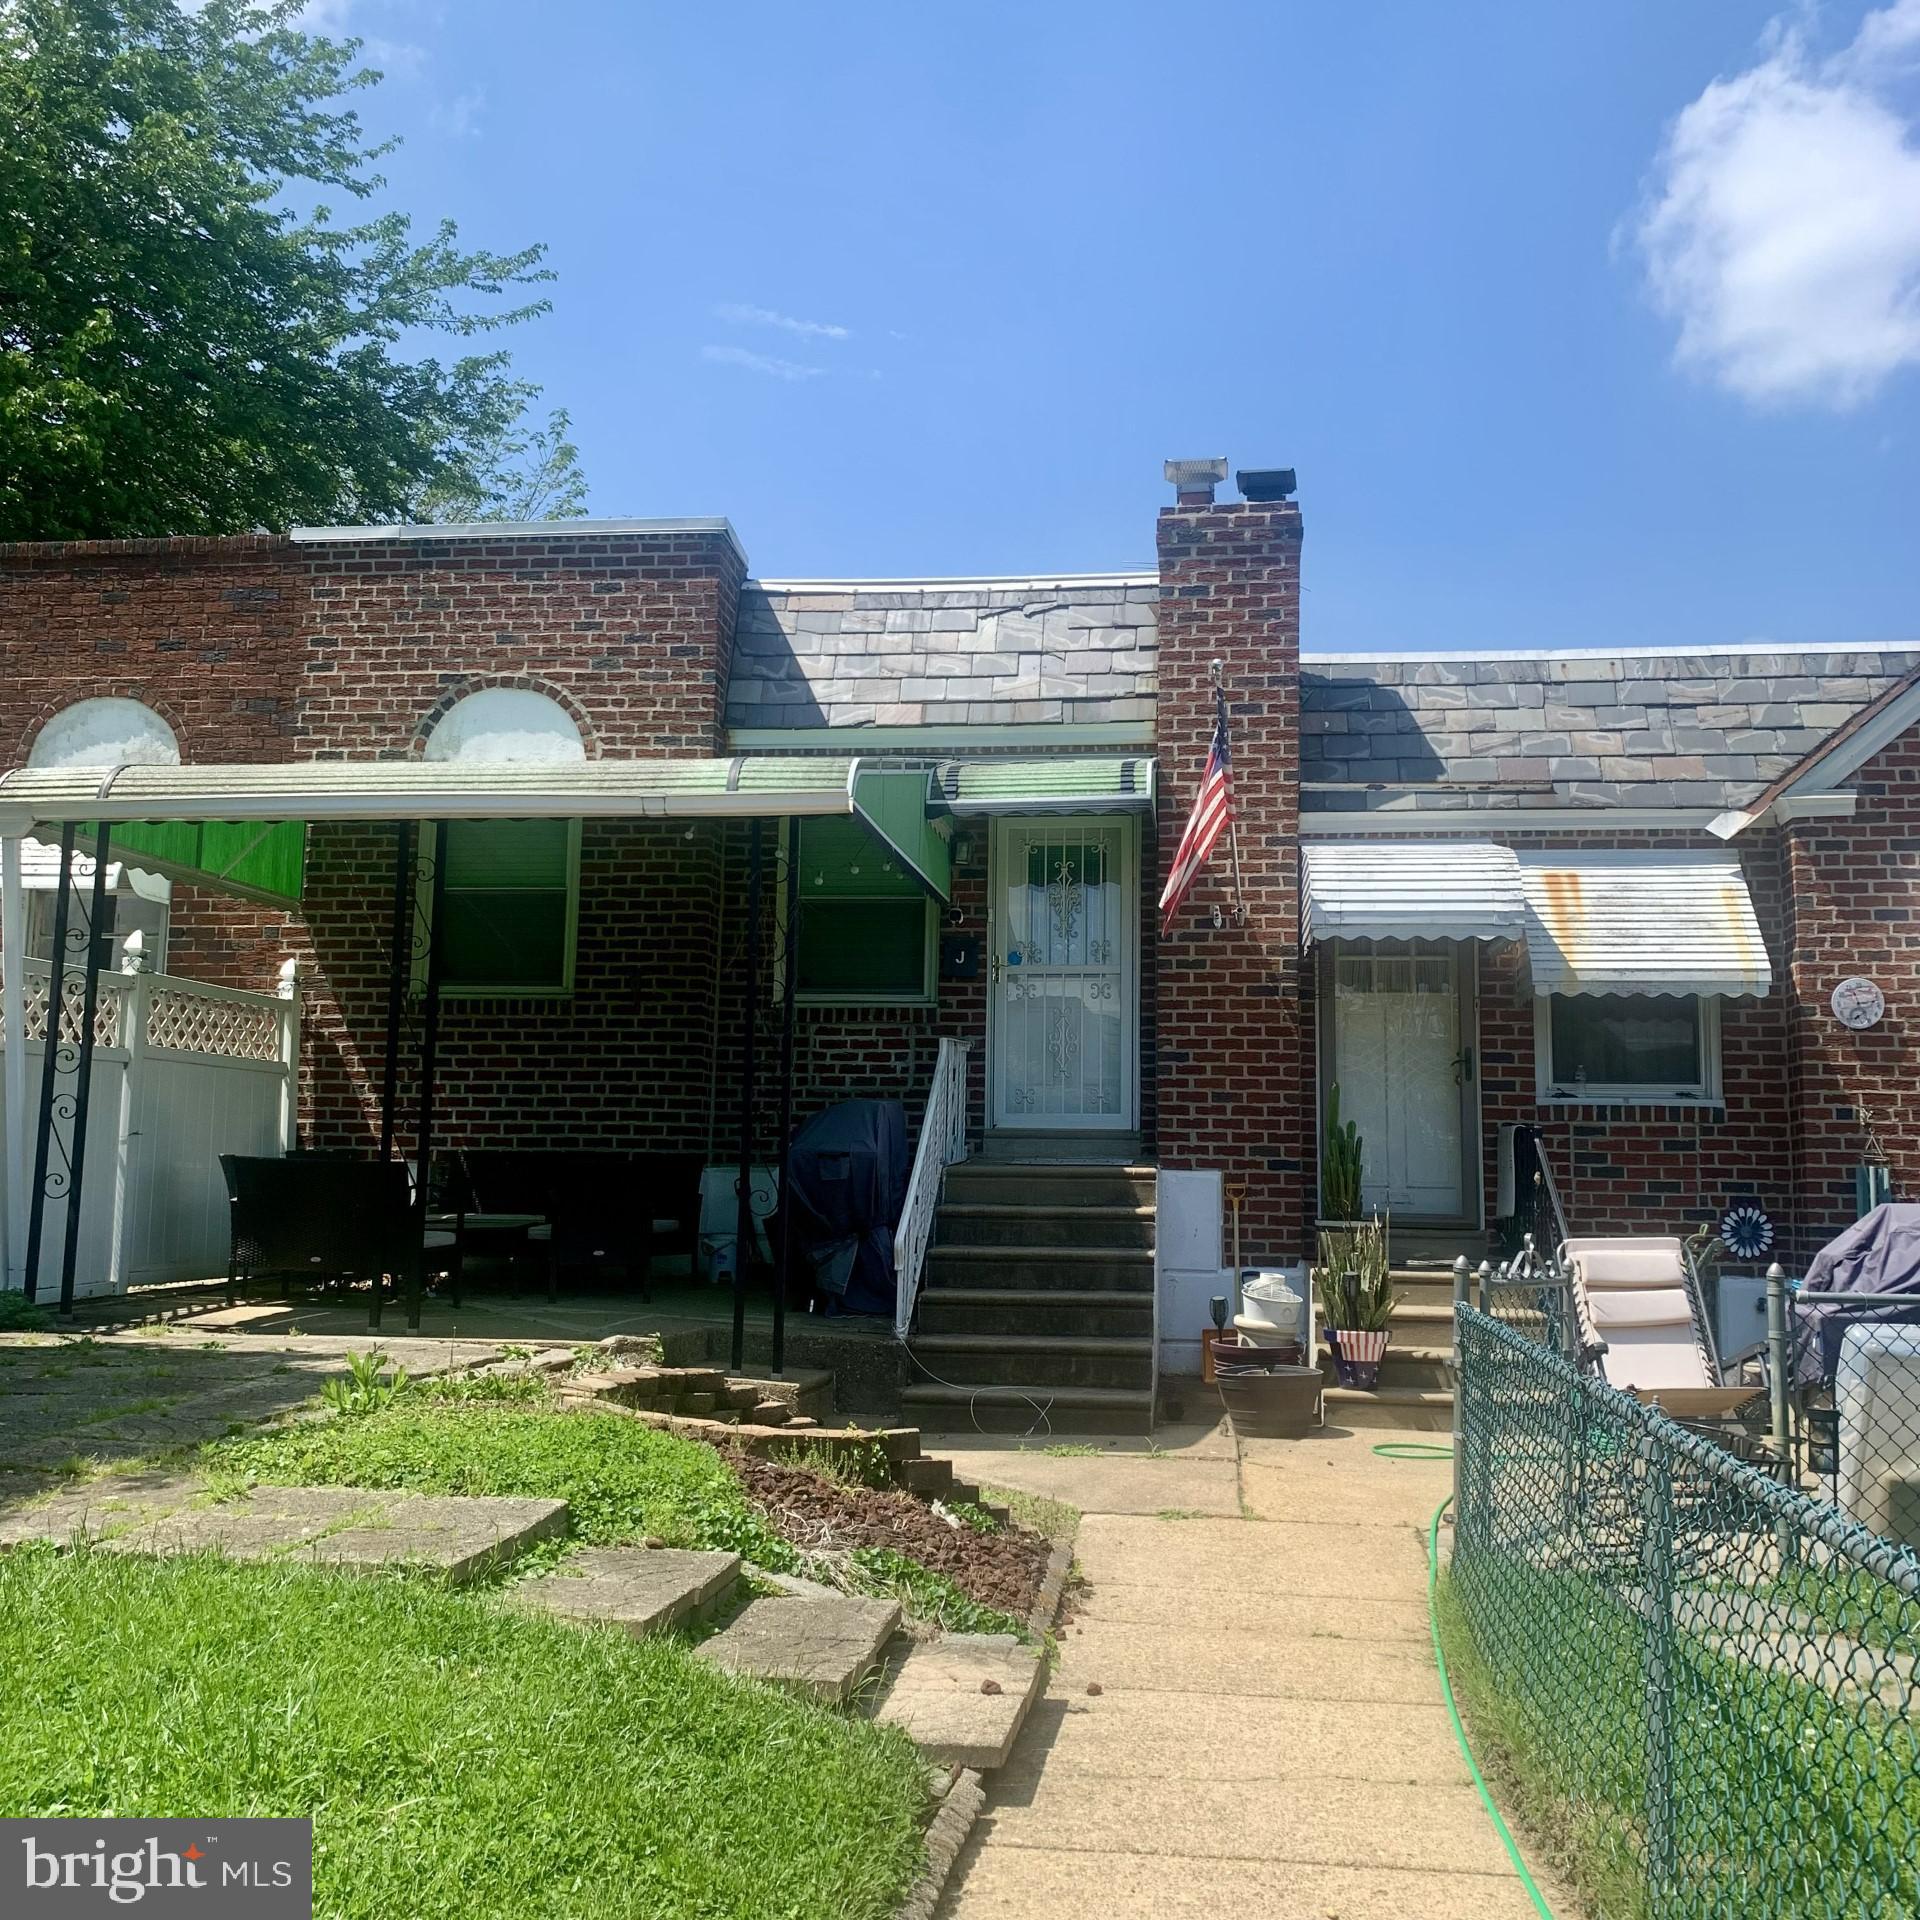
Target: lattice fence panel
<point x="37" y="994"/>
<point x="182" y="1021"/>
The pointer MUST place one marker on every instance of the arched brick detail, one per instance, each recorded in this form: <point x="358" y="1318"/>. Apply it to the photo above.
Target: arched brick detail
<point x="521" y="682"/>
<point x="106" y="689"/>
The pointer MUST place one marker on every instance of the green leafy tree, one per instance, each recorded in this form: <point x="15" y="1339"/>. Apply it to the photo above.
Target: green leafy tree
<point x="190" y="341"/>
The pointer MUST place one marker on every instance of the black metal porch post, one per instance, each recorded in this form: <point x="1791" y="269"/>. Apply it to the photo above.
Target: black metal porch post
<point x="788" y="952"/>
<point x="429" y="1060"/>
<point x="399" y="968"/>
<point x="83" y="1082"/>
<point x="56" y="1006"/>
<point x="750" y="1008"/>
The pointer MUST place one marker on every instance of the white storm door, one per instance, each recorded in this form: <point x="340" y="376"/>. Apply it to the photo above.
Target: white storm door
<point x="1398" y="1061"/>
<point x="1064" y="979"/>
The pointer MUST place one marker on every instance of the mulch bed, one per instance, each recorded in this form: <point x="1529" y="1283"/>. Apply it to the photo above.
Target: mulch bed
<point x="818" y="1515"/>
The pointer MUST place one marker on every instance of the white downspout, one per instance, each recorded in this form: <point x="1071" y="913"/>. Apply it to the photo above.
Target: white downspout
<point x="13" y="1029"/>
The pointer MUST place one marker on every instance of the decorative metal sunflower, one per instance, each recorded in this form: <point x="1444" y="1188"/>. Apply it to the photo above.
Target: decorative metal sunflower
<point x="1746" y="1232"/>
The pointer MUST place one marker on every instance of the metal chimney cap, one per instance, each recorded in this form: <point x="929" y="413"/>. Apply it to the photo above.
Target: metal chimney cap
<point x="1265" y="483"/>
<point x="1191" y="474"/>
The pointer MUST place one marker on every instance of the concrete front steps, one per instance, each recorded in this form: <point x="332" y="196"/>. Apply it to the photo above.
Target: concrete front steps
<point x="1036" y="1311"/>
<point x="1415" y="1391"/>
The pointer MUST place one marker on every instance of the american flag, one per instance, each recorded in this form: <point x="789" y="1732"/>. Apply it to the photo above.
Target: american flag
<point x="1212" y="816"/>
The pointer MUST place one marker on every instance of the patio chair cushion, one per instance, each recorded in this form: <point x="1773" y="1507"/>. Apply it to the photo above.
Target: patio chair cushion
<point x="1620" y="1265"/>
<point x="1640" y="1307"/>
<point x="1652" y="1359"/>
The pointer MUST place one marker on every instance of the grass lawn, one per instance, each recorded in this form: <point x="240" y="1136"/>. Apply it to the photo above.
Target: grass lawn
<point x="623" y="1481"/>
<point x="457" y="1760"/>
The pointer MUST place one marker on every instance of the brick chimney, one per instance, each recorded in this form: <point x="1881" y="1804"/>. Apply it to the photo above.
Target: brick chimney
<point x="1234" y="1056"/>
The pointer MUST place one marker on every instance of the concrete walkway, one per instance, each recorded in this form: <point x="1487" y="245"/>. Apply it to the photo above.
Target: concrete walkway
<point x="1246" y="1717"/>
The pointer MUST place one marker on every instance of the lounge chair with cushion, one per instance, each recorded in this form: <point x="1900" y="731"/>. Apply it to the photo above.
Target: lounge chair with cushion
<point x="1641" y="1323"/>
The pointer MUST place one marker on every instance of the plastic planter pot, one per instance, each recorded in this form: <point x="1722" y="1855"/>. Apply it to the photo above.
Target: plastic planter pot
<point x="1279" y="1403"/>
<point x="1357" y="1356"/>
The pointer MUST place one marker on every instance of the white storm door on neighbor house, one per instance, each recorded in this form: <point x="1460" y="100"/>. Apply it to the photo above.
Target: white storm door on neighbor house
<point x="1063" y="988"/>
<point x="1401" y="1061"/>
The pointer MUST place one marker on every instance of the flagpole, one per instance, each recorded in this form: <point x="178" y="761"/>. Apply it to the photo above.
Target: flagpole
<point x="1217" y="673"/>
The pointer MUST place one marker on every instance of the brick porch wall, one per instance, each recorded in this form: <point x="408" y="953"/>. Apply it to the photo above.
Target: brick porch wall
<point x="1856" y="910"/>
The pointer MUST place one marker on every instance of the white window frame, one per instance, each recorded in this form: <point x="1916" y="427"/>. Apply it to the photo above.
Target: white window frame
<point x="929" y="992"/>
<point x="1707" y="1092"/>
<point x="423" y="895"/>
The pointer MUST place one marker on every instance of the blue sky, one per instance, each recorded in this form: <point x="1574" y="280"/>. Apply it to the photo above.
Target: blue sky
<point x="1583" y="326"/>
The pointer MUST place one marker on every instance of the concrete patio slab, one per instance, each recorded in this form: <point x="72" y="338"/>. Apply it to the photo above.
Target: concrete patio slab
<point x="1005" y="1882"/>
<point x="961" y="1699"/>
<point x="1312" y="1616"/>
<point x="1209" y="1739"/>
<point x="823" y="1648"/>
<point x="1428" y="1826"/>
<point x="643" y="1589"/>
<point x="1328" y="1559"/>
<point x="1274" y="1663"/>
<point x="1246" y="1716"/>
<point x="357" y="1529"/>
<point x="1118" y="1483"/>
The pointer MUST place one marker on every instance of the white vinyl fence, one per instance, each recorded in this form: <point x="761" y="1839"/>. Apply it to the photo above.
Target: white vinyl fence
<point x="182" y="1073"/>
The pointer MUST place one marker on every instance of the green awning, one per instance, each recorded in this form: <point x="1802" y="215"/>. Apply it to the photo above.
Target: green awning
<point x="243" y="828"/>
<point x="894" y="806"/>
<point x="257" y="860"/>
<point x="1045" y="786"/>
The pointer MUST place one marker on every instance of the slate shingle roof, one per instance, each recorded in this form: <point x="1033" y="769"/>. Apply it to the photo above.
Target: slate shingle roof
<point x="1662" y="730"/>
<point x="1708" y="729"/>
<point x="945" y="652"/>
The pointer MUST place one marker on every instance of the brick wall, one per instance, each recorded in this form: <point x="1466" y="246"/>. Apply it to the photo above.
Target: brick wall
<point x="1651" y="1168"/>
<point x="1856" y="910"/>
<point x="1234" y="1044"/>
<point x="210" y="635"/>
<point x="632" y="634"/>
<point x="626" y="1059"/>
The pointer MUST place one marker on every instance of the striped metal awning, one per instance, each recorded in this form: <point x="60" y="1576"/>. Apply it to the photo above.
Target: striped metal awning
<point x="1044" y="786"/>
<point x="243" y="828"/>
<point x="1410" y="890"/>
<point x="1647" y="921"/>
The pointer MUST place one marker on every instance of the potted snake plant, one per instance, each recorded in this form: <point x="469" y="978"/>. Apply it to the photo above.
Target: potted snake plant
<point x="1354" y="1285"/>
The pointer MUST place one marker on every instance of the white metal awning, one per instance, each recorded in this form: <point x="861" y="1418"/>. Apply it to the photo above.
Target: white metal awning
<point x="1410" y="890"/>
<point x="1642" y="922"/>
<point x="40" y="872"/>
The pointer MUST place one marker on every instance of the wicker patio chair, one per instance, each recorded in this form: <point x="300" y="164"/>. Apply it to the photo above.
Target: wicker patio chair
<point x="603" y="1208"/>
<point x="319" y="1220"/>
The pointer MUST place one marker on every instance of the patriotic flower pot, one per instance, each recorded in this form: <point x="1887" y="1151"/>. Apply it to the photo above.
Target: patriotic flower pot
<point x="1357" y="1356"/>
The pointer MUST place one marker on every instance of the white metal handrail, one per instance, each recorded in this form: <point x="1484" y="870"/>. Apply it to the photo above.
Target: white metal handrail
<point x="943" y="1140"/>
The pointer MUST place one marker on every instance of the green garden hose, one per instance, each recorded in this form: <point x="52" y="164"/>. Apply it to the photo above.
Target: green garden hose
<point x="1420" y="1450"/>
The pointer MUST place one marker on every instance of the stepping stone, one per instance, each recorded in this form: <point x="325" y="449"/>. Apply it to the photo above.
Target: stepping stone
<point x="822" y="1648"/>
<point x="356" y="1529"/>
<point x="936" y="1697"/>
<point x="644" y="1589"/>
<point x="114" y="1505"/>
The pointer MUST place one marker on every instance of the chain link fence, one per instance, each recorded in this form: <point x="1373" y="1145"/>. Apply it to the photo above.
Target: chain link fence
<point x="1713" y="1672"/>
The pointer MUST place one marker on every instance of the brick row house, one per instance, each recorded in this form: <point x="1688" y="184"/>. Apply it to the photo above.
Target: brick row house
<point x="1606" y="900"/>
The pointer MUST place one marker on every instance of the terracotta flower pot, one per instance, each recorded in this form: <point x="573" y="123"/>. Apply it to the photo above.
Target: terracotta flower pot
<point x="1357" y="1355"/>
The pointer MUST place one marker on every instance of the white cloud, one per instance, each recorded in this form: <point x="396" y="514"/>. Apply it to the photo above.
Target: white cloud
<point x="458" y="118"/>
<point x="740" y="315"/>
<point x="759" y="363"/>
<point x="1782" y="231"/>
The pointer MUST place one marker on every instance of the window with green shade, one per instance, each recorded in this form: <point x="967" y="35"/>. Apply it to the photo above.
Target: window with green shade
<point x="510" y="906"/>
<point x="866" y="929"/>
